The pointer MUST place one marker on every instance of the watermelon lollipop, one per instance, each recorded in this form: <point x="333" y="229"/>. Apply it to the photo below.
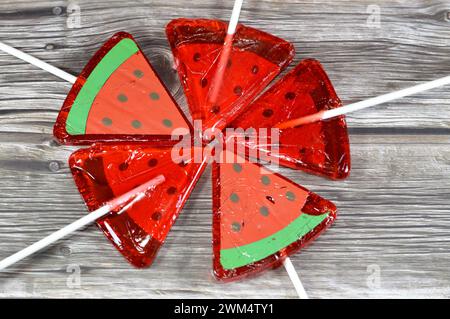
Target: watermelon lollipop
<point x="118" y="96"/>
<point x="255" y="60"/>
<point x="320" y="148"/>
<point x="260" y="218"/>
<point x="106" y="171"/>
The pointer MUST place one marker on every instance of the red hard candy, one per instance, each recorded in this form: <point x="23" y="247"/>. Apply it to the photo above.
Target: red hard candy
<point x="106" y="171"/>
<point x="321" y="147"/>
<point x="118" y="96"/>
<point x="254" y="59"/>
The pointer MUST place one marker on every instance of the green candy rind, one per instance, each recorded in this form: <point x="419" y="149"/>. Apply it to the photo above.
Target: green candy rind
<point x="244" y="255"/>
<point x="78" y="115"/>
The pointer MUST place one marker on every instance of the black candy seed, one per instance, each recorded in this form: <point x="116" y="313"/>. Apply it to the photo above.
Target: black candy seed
<point x="156" y="216"/>
<point x="107" y="121"/>
<point x="123" y="166"/>
<point x="290" y="96"/>
<point x="290" y="196"/>
<point x="237" y="167"/>
<point x="197" y="57"/>
<point x="234" y="197"/>
<point x="267" y="113"/>
<point x="237" y="90"/>
<point x="154" y="96"/>
<point x="171" y="190"/>
<point x="167" y="123"/>
<point x="215" y="109"/>
<point x="270" y="199"/>
<point x="264" y="211"/>
<point x="153" y="162"/>
<point x="136" y="124"/>
<point x="255" y="69"/>
<point x="236" y="226"/>
<point x="265" y="180"/>
<point x="204" y="82"/>
<point x="138" y="73"/>
<point x="122" y="98"/>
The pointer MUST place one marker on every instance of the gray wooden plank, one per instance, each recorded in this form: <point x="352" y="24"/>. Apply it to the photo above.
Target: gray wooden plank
<point x="393" y="208"/>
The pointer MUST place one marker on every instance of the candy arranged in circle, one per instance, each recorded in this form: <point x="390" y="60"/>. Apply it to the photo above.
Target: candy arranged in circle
<point x="118" y="100"/>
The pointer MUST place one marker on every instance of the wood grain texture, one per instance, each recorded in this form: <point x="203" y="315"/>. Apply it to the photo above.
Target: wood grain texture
<point x="394" y="209"/>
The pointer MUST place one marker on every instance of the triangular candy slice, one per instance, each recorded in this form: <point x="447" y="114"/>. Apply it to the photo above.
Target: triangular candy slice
<point x="104" y="172"/>
<point x="255" y="59"/>
<point x="260" y="218"/>
<point x="322" y="147"/>
<point x="118" y="96"/>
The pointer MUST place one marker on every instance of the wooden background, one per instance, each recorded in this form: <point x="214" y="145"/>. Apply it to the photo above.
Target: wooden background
<point x="394" y="222"/>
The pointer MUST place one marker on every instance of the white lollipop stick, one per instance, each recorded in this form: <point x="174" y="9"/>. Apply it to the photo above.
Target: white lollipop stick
<point x="366" y="103"/>
<point x="235" y="16"/>
<point x="138" y="193"/>
<point x="39" y="63"/>
<point x="217" y="80"/>
<point x="293" y="275"/>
